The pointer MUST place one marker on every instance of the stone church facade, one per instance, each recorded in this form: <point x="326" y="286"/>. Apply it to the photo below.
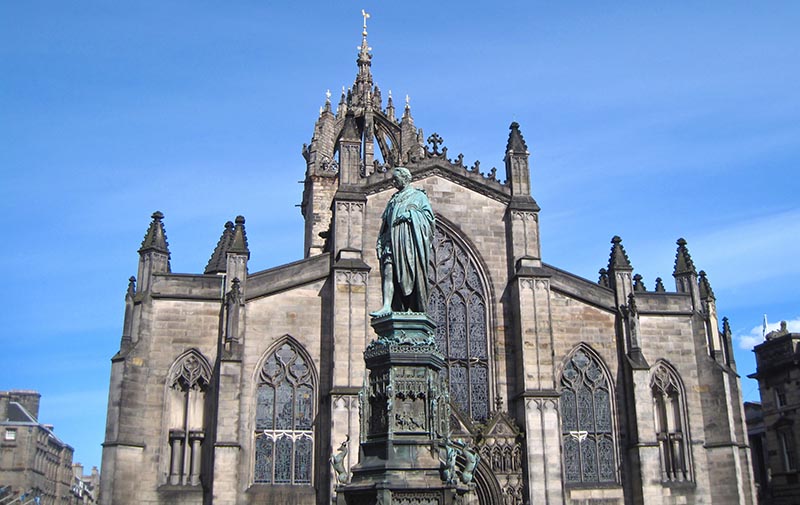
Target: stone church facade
<point x="236" y="387"/>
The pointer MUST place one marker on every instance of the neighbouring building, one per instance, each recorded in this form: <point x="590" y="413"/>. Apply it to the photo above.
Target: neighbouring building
<point x="33" y="460"/>
<point x="85" y="488"/>
<point x="235" y="387"/>
<point x="775" y="430"/>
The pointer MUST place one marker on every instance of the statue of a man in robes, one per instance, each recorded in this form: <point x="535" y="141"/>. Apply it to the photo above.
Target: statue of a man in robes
<point x="404" y="248"/>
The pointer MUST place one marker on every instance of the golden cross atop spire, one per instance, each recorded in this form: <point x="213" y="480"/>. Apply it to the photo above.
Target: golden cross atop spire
<point x="366" y="16"/>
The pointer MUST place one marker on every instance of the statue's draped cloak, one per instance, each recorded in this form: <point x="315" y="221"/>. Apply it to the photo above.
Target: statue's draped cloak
<point x="407" y="234"/>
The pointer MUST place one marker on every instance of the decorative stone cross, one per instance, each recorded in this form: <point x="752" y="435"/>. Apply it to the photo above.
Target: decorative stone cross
<point x="435" y="140"/>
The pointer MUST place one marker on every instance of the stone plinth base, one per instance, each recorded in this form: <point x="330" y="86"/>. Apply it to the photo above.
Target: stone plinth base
<point x="405" y="413"/>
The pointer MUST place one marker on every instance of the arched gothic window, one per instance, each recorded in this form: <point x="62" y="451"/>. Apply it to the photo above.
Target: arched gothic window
<point x="458" y="307"/>
<point x="187" y="384"/>
<point x="587" y="424"/>
<point x="284" y="434"/>
<point x="669" y="408"/>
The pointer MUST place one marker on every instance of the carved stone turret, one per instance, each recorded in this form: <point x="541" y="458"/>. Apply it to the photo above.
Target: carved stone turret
<point x="685" y="273"/>
<point x="523" y="212"/>
<point x="620" y="271"/>
<point x="154" y="253"/>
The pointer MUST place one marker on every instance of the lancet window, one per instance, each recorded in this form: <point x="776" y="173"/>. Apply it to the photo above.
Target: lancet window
<point x="671" y="427"/>
<point x="458" y="307"/>
<point x="284" y="433"/>
<point x="587" y="424"/>
<point x="187" y="385"/>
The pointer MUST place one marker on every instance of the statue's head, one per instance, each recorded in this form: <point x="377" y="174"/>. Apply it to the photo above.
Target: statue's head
<point x="402" y="177"/>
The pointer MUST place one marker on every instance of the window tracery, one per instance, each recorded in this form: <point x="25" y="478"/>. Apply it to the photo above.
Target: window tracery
<point x="187" y="384"/>
<point x="587" y="424"/>
<point x="671" y="427"/>
<point x="458" y="307"/>
<point x="284" y="435"/>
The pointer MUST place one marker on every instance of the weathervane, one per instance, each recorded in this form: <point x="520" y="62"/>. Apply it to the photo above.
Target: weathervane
<point x="366" y="16"/>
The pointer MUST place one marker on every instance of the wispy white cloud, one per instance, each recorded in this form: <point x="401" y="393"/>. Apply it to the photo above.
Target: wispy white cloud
<point x="749" y="340"/>
<point x="753" y="250"/>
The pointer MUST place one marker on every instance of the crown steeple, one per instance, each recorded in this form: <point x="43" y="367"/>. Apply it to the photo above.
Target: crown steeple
<point x="363" y="86"/>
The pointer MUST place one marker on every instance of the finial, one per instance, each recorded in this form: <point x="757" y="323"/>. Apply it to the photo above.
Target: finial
<point x="156" y="238"/>
<point x="683" y="261"/>
<point x="726" y="327"/>
<point x="705" y="287"/>
<point x="619" y="258"/>
<point x="131" y="287"/>
<point x="638" y="285"/>
<point x="219" y="258"/>
<point x="660" y="286"/>
<point x="408" y="102"/>
<point x="366" y="16"/>
<point x="603" y="280"/>
<point x="239" y="240"/>
<point x="328" y="96"/>
<point x="515" y="141"/>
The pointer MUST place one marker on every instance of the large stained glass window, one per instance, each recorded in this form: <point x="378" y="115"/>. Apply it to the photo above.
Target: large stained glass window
<point x="671" y="427"/>
<point x="284" y="435"/>
<point x="458" y="307"/>
<point x="587" y="426"/>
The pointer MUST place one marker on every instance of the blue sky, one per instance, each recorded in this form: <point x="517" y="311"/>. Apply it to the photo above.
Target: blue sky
<point x="651" y="121"/>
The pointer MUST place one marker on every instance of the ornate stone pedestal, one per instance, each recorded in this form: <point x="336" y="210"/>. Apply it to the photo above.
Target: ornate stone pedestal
<point x="405" y="414"/>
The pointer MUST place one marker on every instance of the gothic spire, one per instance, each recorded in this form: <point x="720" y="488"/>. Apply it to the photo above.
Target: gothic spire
<point x="705" y="287"/>
<point x="364" y="78"/>
<point x="683" y="261"/>
<point x="218" y="262"/>
<point x="239" y="241"/>
<point x="619" y="258"/>
<point x="156" y="238"/>
<point x="660" y="285"/>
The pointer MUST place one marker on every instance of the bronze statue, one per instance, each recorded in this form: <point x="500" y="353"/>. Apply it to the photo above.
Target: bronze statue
<point x="404" y="248"/>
